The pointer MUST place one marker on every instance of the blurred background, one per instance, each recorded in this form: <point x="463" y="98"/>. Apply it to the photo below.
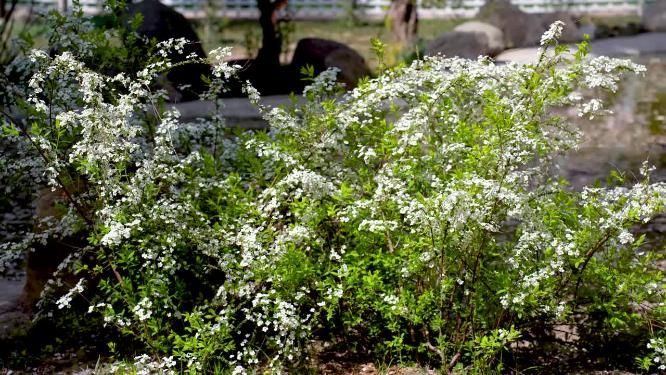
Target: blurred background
<point x="407" y="26"/>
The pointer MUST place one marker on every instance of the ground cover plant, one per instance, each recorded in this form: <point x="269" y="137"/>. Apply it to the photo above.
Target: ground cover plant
<point x="414" y="218"/>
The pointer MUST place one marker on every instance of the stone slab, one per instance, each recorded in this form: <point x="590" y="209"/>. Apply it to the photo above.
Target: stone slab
<point x="641" y="44"/>
<point x="237" y="112"/>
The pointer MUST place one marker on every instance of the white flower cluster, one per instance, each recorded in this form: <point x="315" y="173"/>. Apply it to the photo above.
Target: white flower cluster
<point x="324" y="83"/>
<point x="145" y="365"/>
<point x="142" y="309"/>
<point x="220" y="68"/>
<point x="658" y="347"/>
<point x="65" y="300"/>
<point x="377" y="226"/>
<point x="305" y="183"/>
<point x="552" y="34"/>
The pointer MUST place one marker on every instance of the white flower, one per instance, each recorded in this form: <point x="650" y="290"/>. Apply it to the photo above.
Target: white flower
<point x="378" y="226"/>
<point x="325" y="82"/>
<point x="117" y="233"/>
<point x="142" y="309"/>
<point x="625" y="237"/>
<point x="553" y="33"/>
<point x="65" y="300"/>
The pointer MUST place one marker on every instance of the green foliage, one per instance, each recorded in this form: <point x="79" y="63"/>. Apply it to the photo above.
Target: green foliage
<point x="378" y="48"/>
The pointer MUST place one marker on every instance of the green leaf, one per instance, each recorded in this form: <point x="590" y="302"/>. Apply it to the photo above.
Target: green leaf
<point x="307" y="72"/>
<point x="10" y="130"/>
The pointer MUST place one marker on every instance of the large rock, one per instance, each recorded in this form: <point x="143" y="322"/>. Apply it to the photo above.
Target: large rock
<point x="494" y="35"/>
<point x="323" y="54"/>
<point x="461" y="44"/>
<point x="266" y="78"/>
<point x="570" y="34"/>
<point x="654" y="15"/>
<point x="522" y="29"/>
<point x="163" y="23"/>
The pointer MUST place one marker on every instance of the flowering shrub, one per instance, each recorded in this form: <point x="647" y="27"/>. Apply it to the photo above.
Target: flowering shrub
<point x="416" y="215"/>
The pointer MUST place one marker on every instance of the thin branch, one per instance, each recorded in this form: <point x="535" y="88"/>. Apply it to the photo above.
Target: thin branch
<point x="41" y="152"/>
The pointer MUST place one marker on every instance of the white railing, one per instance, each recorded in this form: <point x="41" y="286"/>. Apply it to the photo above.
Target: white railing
<point x="321" y="9"/>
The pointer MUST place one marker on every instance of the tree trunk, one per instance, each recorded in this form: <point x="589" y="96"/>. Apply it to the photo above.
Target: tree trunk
<point x="62" y="6"/>
<point x="271" y="41"/>
<point x="6" y="10"/>
<point x="404" y="21"/>
<point x="6" y="26"/>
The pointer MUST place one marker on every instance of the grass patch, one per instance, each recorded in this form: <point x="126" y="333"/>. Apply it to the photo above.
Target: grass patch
<point x="245" y="35"/>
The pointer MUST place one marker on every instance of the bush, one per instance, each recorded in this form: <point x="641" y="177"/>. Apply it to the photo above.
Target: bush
<point x="415" y="217"/>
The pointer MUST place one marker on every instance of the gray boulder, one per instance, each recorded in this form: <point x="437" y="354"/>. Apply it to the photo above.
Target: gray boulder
<point x="523" y="29"/>
<point x="654" y="16"/>
<point x="162" y="23"/>
<point x="323" y="54"/>
<point x="519" y="28"/>
<point x="461" y="44"/>
<point x="494" y="35"/>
